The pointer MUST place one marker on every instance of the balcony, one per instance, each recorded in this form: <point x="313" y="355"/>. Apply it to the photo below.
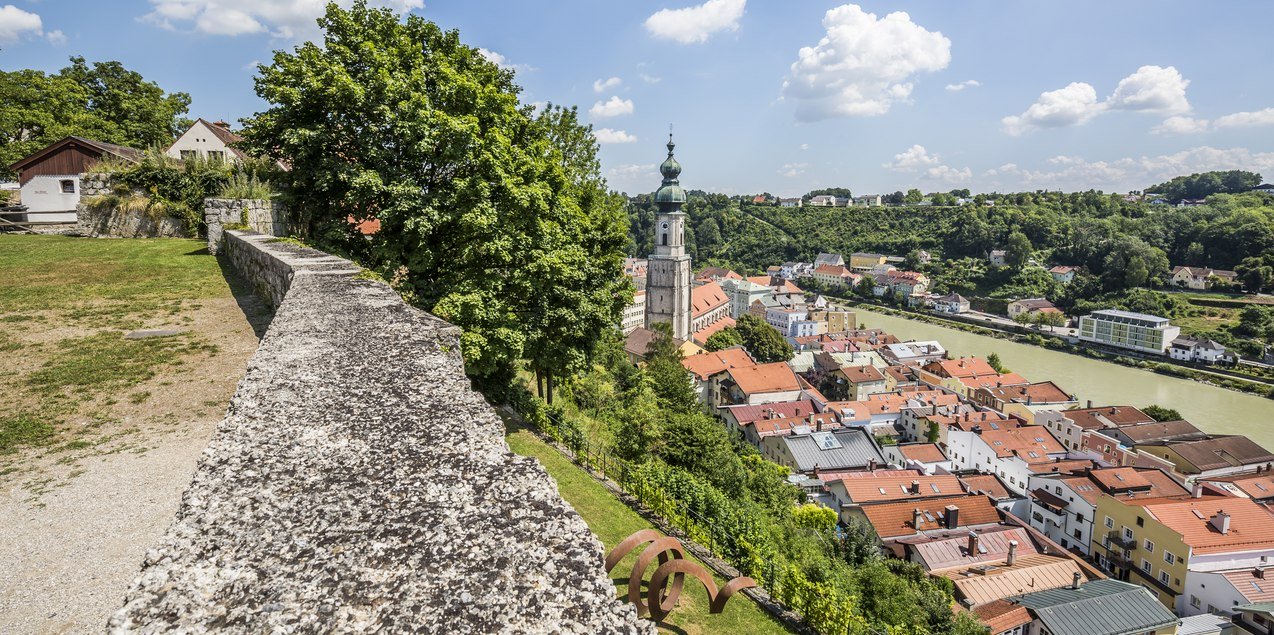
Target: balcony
<point x="1117" y="539"/>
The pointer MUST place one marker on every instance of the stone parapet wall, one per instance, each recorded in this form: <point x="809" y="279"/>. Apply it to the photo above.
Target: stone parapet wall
<point x="358" y="484"/>
<point x="108" y="221"/>
<point x="261" y="216"/>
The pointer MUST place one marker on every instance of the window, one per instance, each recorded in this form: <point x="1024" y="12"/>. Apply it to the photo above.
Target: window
<point x="68" y="186"/>
<point x="1150" y="546"/>
<point x="665" y="240"/>
<point x="1077" y="534"/>
<point x="1110" y="523"/>
<point x="1163" y="577"/>
<point x="1141" y="522"/>
<point x="1194" y="601"/>
<point x="189" y="155"/>
<point x="1168" y="557"/>
<point x="1127" y="534"/>
<point x="1145" y="565"/>
<point x="1079" y="518"/>
<point x="216" y="155"/>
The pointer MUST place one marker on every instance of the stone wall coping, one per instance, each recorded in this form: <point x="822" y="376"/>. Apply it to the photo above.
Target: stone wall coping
<point x="358" y="484"/>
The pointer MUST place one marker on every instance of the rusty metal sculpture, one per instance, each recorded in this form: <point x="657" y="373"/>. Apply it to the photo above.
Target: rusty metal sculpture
<point x="661" y="595"/>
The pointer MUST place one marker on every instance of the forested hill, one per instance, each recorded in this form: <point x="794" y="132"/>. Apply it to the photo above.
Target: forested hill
<point x="1095" y="230"/>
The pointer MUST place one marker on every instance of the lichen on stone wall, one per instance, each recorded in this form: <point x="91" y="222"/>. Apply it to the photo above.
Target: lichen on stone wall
<point x="358" y="484"/>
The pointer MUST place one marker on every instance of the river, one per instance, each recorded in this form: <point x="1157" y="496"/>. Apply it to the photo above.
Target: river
<point x="1213" y="409"/>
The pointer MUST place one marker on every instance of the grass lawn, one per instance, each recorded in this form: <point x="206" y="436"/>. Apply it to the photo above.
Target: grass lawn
<point x="74" y="381"/>
<point x="612" y="521"/>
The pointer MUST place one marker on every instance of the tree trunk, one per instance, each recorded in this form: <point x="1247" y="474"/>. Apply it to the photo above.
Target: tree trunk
<point x="539" y="384"/>
<point x="548" y="380"/>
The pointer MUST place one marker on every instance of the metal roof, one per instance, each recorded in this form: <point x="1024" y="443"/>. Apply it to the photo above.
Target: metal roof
<point x="833" y="450"/>
<point x="1098" y="607"/>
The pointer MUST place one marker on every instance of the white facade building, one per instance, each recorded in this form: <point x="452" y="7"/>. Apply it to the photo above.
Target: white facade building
<point x="206" y="140"/>
<point x="1125" y="329"/>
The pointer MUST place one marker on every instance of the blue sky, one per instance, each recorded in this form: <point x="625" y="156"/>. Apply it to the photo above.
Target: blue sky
<point x="786" y="96"/>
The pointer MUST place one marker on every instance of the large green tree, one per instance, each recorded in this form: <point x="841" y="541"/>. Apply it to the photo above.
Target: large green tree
<point x="102" y="101"/>
<point x="491" y="216"/>
<point x="762" y="341"/>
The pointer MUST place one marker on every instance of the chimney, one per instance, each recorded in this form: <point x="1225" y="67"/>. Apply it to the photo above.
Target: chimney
<point x="1197" y="490"/>
<point x="973" y="544"/>
<point x="818" y="427"/>
<point x="915" y="487"/>
<point x="1114" y="410"/>
<point x="1259" y="572"/>
<point x="871" y="465"/>
<point x="815" y="470"/>
<point x="977" y="429"/>
<point x="1028" y="400"/>
<point x="917" y="517"/>
<point x="953" y="517"/>
<point x="1075" y="580"/>
<point x="1220" y="522"/>
<point x="1012" y="553"/>
<point x="1090" y="403"/>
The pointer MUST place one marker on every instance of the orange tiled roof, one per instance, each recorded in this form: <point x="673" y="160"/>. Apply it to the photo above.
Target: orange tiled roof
<point x="897" y="488"/>
<point x="701" y="336"/>
<point x="923" y="452"/>
<point x="709" y="273"/>
<point x="963" y="367"/>
<point x="988" y="484"/>
<point x="708" y="364"/>
<point x="862" y="374"/>
<point x="1138" y="483"/>
<point x="1059" y="467"/>
<point x="898" y="519"/>
<point x="1002" y="615"/>
<point x="1094" y="418"/>
<point x="1040" y="393"/>
<point x="706" y="297"/>
<point x="993" y="380"/>
<point x="1249" y="524"/>
<point x="762" y="378"/>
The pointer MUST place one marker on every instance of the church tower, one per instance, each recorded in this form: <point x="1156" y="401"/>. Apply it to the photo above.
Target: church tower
<point x="668" y="271"/>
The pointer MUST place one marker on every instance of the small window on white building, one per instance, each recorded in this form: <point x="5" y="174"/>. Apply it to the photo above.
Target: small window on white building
<point x="216" y="155"/>
<point x="68" y="186"/>
<point x="1194" y="601"/>
<point x="189" y="155"/>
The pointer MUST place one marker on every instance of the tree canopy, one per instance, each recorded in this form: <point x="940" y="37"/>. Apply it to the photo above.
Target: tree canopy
<point x="491" y="216"/>
<point x="103" y="101"/>
<point x="1206" y="184"/>
<point x="762" y="341"/>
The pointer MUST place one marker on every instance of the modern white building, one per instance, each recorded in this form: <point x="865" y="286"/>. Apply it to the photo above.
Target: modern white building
<point x="1188" y="349"/>
<point x="635" y="313"/>
<point x="1125" y="329"/>
<point x="1063" y="507"/>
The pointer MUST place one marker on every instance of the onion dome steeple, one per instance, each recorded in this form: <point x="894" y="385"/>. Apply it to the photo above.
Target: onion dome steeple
<point x="670" y="196"/>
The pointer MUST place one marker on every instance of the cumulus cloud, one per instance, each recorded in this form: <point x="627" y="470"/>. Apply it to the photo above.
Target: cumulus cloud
<point x="805" y="146"/>
<point x="863" y="65"/>
<point x="650" y="79"/>
<point x="1073" y="105"/>
<point x="1128" y="173"/>
<point x="1152" y="89"/>
<point x="793" y="169"/>
<point x="1245" y="119"/>
<point x="968" y="83"/>
<point x="502" y="61"/>
<point x="56" y="37"/>
<point x="16" y="24"/>
<point x="608" y="135"/>
<point x="641" y="177"/>
<point x="698" y="23"/>
<point x="603" y="85"/>
<point x="286" y="20"/>
<point x="948" y="174"/>
<point x="914" y="157"/>
<point x="612" y="107"/>
<point x="1181" y="125"/>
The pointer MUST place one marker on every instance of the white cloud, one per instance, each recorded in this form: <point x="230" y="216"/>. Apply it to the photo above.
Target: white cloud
<point x="608" y="135"/>
<point x="16" y="24"/>
<point x="914" y="157"/>
<point x="793" y="169"/>
<point x="502" y="61"/>
<point x="1073" y="105"/>
<point x="696" y="24"/>
<point x="282" y="19"/>
<point x="968" y="83"/>
<point x="56" y="37"/>
<point x="635" y="177"/>
<point x="613" y="107"/>
<point x="805" y="146"/>
<point x="1181" y="125"/>
<point x="1128" y="173"/>
<point x="650" y="79"/>
<point x="1244" y="119"/>
<point x="603" y="85"/>
<point x="863" y="65"/>
<point x="1152" y="88"/>
<point x="948" y="174"/>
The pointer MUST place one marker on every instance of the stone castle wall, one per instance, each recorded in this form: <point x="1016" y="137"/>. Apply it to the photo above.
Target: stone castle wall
<point x="359" y="484"/>
<point x="103" y="220"/>
<point x="261" y="216"/>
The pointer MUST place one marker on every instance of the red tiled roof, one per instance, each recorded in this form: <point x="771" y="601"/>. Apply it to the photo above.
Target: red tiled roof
<point x="922" y="452"/>
<point x="1094" y="418"/>
<point x="862" y="374"/>
<point x="896" y="488"/>
<point x="988" y="484"/>
<point x="963" y="367"/>
<point x="993" y="380"/>
<point x="745" y="414"/>
<point x="1002" y="615"/>
<point x="708" y="273"/>
<point x="1044" y="392"/>
<point x="1022" y="442"/>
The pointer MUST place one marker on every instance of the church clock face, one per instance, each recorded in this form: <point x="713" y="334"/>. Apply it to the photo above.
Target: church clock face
<point x="664" y="225"/>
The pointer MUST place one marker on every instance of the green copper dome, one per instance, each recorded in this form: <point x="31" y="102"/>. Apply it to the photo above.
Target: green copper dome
<point x="670" y="191"/>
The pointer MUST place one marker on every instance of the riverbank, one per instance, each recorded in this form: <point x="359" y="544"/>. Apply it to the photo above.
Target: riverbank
<point x="1219" y="377"/>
